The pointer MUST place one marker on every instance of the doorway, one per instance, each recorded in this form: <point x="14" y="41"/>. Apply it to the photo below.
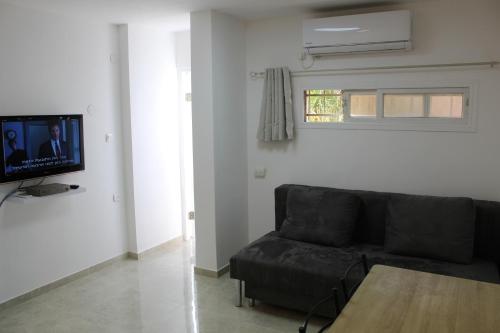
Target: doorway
<point x="186" y="154"/>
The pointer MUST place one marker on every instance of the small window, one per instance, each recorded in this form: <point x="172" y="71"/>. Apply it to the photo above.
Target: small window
<point x="362" y="104"/>
<point x="433" y="109"/>
<point x="446" y="106"/>
<point x="323" y="106"/>
<point x="423" y="104"/>
<point x="334" y="105"/>
<point x="403" y="106"/>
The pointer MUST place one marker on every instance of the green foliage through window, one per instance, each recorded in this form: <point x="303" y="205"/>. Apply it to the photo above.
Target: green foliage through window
<point x="323" y="106"/>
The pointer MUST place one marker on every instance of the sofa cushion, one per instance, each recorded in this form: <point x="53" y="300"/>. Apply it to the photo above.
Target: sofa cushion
<point x="321" y="216"/>
<point x="311" y="270"/>
<point x="479" y="269"/>
<point x="291" y="266"/>
<point x="370" y="226"/>
<point x="431" y="227"/>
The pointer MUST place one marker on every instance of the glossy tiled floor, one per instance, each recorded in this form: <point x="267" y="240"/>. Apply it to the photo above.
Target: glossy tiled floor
<point x="157" y="294"/>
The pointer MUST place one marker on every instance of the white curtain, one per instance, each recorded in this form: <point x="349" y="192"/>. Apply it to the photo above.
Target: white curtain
<point x="276" y="117"/>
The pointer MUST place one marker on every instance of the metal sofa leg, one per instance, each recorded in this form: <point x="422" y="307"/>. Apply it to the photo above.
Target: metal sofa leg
<point x="252" y="302"/>
<point x="239" y="303"/>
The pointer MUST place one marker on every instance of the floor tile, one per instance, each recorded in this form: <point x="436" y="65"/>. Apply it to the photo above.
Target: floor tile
<point x="160" y="293"/>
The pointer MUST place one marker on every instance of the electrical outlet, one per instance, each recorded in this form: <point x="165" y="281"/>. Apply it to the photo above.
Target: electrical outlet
<point x="260" y="173"/>
<point x="191" y="215"/>
<point x="116" y="198"/>
<point x="113" y="58"/>
<point x="108" y="137"/>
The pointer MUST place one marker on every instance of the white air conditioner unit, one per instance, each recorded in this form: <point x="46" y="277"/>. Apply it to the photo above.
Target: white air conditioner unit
<point x="373" y="32"/>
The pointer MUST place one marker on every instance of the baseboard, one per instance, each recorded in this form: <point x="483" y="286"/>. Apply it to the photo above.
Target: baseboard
<point x="133" y="255"/>
<point x="210" y="273"/>
<point x="38" y="291"/>
<point x="164" y="246"/>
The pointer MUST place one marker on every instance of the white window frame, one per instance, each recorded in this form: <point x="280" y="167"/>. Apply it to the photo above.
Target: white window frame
<point x="465" y="124"/>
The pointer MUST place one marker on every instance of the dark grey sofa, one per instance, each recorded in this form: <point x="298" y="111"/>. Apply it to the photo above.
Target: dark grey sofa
<point x="296" y="274"/>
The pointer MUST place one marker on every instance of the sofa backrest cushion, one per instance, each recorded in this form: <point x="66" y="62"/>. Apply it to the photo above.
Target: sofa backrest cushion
<point x="320" y="216"/>
<point x="370" y="227"/>
<point x="431" y="227"/>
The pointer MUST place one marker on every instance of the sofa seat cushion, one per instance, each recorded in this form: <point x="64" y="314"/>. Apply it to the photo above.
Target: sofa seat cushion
<point x="479" y="269"/>
<point x="321" y="216"/>
<point x="291" y="266"/>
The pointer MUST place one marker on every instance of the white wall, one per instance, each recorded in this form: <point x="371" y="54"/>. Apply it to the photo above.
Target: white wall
<point x="219" y="127"/>
<point x="128" y="178"/>
<point x="183" y="49"/>
<point x="228" y="43"/>
<point x="51" y="65"/>
<point x="462" y="164"/>
<point x="203" y="139"/>
<point x="153" y="154"/>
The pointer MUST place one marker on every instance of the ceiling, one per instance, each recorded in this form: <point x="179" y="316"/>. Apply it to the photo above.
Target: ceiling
<point x="175" y="13"/>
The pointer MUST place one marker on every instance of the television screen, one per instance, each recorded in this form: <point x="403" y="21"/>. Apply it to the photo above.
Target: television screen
<point x="38" y="146"/>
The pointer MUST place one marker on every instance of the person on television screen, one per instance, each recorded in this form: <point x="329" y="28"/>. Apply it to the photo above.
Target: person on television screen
<point x="17" y="156"/>
<point x="55" y="147"/>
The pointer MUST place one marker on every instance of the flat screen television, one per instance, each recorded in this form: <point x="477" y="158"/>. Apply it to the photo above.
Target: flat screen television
<point x="40" y="146"/>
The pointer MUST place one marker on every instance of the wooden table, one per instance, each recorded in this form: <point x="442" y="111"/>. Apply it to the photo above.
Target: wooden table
<point x="400" y="300"/>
